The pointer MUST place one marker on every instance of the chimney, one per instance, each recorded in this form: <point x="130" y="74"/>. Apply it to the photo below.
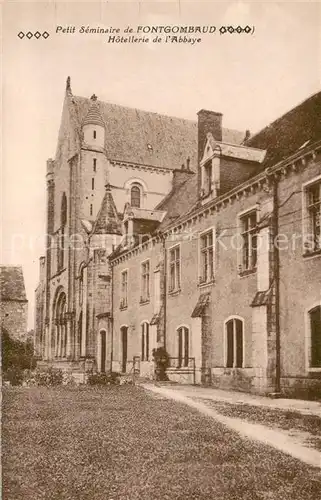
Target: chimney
<point x="208" y="121"/>
<point x="181" y="175"/>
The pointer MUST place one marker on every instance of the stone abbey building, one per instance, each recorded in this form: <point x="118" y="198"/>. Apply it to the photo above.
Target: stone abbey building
<point x="168" y="232"/>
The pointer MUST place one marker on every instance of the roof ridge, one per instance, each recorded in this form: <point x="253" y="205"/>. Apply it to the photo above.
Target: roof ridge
<point x="277" y="120"/>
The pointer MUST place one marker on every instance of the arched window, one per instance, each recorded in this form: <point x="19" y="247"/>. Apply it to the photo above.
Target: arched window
<point x="61" y="329"/>
<point x="234" y="343"/>
<point x="61" y="233"/>
<point x="183" y="346"/>
<point x="145" y="341"/>
<point x="315" y="337"/>
<point x="135" y="195"/>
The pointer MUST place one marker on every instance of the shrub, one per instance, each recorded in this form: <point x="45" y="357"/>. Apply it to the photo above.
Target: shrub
<point x="110" y="378"/>
<point x="161" y="359"/>
<point x="49" y="377"/>
<point x="14" y="375"/>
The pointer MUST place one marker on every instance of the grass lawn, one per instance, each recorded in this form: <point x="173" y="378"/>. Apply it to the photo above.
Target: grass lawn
<point x="120" y="443"/>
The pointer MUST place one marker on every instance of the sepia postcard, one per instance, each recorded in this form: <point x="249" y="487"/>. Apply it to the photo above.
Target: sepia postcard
<point x="160" y="273"/>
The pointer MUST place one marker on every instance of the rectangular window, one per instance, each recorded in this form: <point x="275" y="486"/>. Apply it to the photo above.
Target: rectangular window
<point x="174" y="269"/>
<point x="91" y="209"/>
<point x="249" y="241"/>
<point x="94" y="134"/>
<point x="145" y="281"/>
<point x="124" y="289"/>
<point x="92" y="183"/>
<point x="207" y="257"/>
<point x="94" y="165"/>
<point x="313" y="199"/>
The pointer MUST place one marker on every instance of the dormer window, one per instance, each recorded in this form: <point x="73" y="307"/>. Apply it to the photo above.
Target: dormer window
<point x="208" y="178"/>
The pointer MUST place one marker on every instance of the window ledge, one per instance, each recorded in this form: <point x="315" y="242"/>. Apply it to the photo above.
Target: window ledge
<point x="123" y="307"/>
<point x="247" y="272"/>
<point x="142" y="302"/>
<point x="312" y="253"/>
<point x="58" y="273"/>
<point x="203" y="284"/>
<point x="314" y="369"/>
<point x="174" y="292"/>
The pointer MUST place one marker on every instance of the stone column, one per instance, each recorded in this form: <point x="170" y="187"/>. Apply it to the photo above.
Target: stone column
<point x="69" y="323"/>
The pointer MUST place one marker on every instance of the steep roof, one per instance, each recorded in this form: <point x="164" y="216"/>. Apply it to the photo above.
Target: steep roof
<point x="180" y="200"/>
<point x="288" y="133"/>
<point x="93" y="116"/>
<point x="12" y="285"/>
<point x="143" y="137"/>
<point x="107" y="221"/>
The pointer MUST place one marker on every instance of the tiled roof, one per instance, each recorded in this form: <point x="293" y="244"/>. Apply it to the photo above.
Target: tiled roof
<point x="261" y="298"/>
<point x="12" y="286"/>
<point x="144" y="137"/>
<point x="94" y="116"/>
<point x="179" y="201"/>
<point x="200" y="307"/>
<point x="107" y="221"/>
<point x="288" y="133"/>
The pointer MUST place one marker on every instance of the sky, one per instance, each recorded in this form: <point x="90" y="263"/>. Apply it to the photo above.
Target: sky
<point x="251" y="79"/>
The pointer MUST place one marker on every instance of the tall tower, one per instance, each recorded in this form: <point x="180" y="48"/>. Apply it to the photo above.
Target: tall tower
<point x="50" y="230"/>
<point x="94" y="162"/>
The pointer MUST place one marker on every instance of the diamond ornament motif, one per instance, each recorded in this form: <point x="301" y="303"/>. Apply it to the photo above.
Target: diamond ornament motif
<point x="29" y="35"/>
<point x="21" y="35"/>
<point x="45" y="35"/>
<point x="37" y="35"/>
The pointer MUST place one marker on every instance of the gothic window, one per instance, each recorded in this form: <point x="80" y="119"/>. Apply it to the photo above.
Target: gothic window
<point x="135" y="196"/>
<point x="61" y="233"/>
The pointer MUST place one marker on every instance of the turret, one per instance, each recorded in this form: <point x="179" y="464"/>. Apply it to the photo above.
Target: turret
<point x="93" y="126"/>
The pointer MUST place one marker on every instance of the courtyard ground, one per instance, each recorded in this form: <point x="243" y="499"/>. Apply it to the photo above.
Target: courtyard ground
<point x="121" y="443"/>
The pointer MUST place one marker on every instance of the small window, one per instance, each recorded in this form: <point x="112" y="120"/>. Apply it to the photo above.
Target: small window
<point x="183" y="346"/>
<point x="145" y="341"/>
<point x="94" y="165"/>
<point x="207" y="257"/>
<point x="145" y="281"/>
<point x="249" y="241"/>
<point x="234" y="343"/>
<point x="174" y="269"/>
<point x="315" y="332"/>
<point x="92" y="183"/>
<point x="91" y="209"/>
<point x="135" y="195"/>
<point x="124" y="289"/>
<point x="94" y="134"/>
